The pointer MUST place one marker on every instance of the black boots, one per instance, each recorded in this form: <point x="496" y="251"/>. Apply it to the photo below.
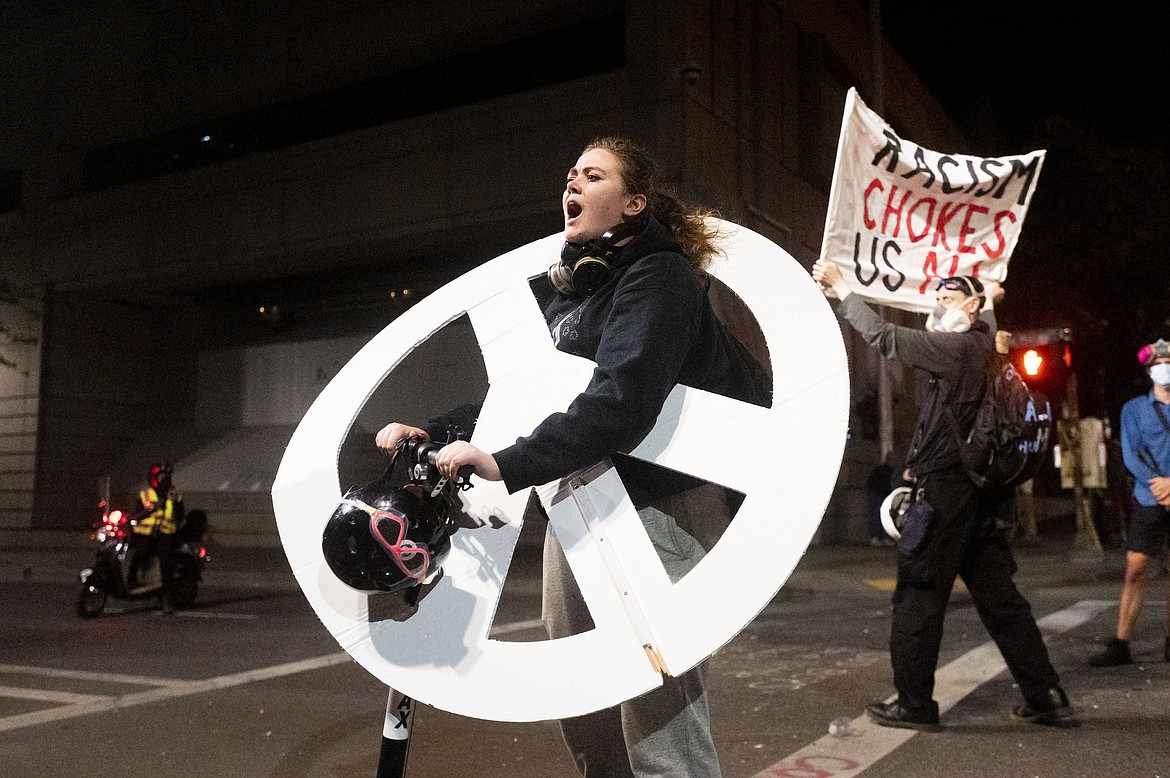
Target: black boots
<point x="1052" y="709"/>
<point x="891" y="714"/>
<point x="1116" y="653"/>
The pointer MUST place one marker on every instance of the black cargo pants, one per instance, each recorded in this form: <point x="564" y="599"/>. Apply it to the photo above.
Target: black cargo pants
<point x="961" y="540"/>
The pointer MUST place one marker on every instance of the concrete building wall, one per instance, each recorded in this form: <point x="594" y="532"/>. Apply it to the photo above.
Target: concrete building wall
<point x="740" y="100"/>
<point x="21" y="342"/>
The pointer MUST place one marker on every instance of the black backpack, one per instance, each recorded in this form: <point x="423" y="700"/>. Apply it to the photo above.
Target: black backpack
<point x="1009" y="438"/>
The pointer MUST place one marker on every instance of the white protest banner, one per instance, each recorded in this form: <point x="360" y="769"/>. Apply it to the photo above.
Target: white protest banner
<point x="901" y="217"/>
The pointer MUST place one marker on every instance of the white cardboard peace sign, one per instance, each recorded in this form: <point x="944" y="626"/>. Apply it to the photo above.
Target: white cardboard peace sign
<point x="784" y="459"/>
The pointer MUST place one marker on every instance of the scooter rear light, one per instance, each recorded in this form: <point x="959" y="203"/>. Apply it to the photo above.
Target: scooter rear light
<point x="113" y="525"/>
<point x="202" y="552"/>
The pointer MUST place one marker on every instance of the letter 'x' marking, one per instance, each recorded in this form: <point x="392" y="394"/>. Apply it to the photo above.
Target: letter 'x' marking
<point x="784" y="459"/>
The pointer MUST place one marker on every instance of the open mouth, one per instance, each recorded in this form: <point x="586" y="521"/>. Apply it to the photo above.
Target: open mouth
<point x="572" y="209"/>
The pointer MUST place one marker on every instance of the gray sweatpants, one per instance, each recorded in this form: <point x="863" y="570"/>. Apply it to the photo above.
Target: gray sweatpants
<point x="665" y="733"/>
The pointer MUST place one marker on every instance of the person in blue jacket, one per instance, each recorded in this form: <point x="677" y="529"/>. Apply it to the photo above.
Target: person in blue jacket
<point x="1145" y="445"/>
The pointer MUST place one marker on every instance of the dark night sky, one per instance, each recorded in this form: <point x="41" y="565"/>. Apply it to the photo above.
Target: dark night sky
<point x="1102" y="66"/>
<point x="1089" y="84"/>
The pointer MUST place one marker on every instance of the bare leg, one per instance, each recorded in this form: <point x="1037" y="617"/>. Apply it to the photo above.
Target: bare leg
<point x="1132" y="593"/>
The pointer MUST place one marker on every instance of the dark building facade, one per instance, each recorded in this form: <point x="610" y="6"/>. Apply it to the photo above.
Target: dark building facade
<point x="206" y="209"/>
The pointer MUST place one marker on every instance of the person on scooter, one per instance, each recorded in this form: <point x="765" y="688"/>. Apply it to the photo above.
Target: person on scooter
<point x="160" y="511"/>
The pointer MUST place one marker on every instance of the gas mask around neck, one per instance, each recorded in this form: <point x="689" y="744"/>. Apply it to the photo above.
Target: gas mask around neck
<point x="944" y="319"/>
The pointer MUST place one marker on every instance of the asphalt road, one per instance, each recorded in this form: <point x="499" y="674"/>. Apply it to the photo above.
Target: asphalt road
<point x="250" y="684"/>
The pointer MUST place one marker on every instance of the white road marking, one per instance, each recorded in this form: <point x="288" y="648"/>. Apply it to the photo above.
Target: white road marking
<point x="46" y="695"/>
<point x="170" y="691"/>
<point x="86" y="675"/>
<point x="843" y="757"/>
<point x="83" y="704"/>
<point x="213" y="615"/>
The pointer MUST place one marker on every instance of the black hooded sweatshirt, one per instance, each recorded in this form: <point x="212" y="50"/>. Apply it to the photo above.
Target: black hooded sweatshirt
<point x="649" y="328"/>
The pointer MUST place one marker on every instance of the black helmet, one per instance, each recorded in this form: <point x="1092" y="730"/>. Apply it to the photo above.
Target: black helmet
<point x="384" y="538"/>
<point x="160" y="474"/>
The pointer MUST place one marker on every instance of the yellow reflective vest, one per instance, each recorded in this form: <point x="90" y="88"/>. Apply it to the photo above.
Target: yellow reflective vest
<point x="160" y="514"/>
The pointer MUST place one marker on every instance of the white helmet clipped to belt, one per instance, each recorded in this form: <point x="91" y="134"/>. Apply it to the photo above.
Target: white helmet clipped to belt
<point x="893" y="511"/>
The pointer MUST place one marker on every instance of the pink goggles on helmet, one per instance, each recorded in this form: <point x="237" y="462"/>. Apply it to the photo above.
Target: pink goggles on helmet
<point x="1159" y="349"/>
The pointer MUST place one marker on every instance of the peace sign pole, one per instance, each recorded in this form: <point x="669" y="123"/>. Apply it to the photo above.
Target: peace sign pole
<point x="395" y="736"/>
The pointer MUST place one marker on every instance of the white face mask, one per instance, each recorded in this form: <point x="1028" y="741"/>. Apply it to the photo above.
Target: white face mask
<point x="1160" y="374"/>
<point x="948" y="319"/>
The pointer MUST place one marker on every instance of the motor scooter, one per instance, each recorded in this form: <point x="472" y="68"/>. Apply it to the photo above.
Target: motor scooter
<point x="122" y="570"/>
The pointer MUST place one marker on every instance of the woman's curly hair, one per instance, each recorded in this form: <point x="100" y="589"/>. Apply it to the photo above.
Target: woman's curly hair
<point x="688" y="224"/>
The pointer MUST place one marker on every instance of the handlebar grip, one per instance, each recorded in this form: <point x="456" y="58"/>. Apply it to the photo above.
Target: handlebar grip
<point x="464" y="472"/>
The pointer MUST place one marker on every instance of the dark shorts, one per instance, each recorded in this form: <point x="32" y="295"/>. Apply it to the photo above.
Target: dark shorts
<point x="1149" y="529"/>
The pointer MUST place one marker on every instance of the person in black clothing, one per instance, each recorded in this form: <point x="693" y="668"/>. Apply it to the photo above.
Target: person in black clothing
<point x="647" y="323"/>
<point x="961" y="537"/>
